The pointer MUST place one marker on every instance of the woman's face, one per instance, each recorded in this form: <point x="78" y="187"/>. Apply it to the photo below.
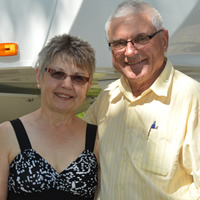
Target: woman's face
<point x="62" y="95"/>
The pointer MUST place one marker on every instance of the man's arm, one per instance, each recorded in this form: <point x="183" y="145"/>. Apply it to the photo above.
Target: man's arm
<point x="191" y="149"/>
<point x="90" y="115"/>
<point x="95" y="110"/>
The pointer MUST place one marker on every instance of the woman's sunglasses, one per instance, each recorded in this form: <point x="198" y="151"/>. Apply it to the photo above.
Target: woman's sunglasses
<point x="60" y="75"/>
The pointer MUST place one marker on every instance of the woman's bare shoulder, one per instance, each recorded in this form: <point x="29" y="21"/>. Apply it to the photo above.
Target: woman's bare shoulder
<point x="6" y="134"/>
<point x="5" y="128"/>
<point x="8" y="140"/>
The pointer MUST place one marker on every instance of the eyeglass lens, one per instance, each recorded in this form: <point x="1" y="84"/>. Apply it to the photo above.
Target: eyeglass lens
<point x="59" y="75"/>
<point x="140" y="39"/>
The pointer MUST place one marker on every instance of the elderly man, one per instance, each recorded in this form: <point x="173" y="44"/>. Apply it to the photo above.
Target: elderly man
<point x="148" y="120"/>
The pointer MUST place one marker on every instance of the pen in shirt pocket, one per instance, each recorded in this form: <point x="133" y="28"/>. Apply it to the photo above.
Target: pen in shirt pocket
<point x="153" y="126"/>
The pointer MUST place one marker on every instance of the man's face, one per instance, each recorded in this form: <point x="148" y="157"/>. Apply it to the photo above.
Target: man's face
<point x="138" y="63"/>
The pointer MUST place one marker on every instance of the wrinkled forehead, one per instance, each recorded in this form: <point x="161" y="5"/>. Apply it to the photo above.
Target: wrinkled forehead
<point x="134" y="24"/>
<point x="71" y="62"/>
<point x="63" y="58"/>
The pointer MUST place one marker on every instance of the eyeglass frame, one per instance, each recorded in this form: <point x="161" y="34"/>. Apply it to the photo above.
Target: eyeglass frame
<point x="133" y="40"/>
<point x="49" y="70"/>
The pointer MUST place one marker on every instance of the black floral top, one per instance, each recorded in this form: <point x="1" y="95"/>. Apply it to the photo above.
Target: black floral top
<point x="32" y="177"/>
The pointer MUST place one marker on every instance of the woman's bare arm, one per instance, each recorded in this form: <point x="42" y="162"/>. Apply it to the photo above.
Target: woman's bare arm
<point x="4" y="159"/>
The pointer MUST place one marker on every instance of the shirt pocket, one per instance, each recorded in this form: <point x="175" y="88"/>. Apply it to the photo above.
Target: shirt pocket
<point x="152" y="154"/>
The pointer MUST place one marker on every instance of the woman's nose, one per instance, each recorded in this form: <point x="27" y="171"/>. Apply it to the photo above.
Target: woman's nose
<point x="67" y="82"/>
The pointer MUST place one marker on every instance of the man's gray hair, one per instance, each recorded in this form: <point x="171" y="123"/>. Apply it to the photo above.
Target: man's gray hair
<point x="135" y="7"/>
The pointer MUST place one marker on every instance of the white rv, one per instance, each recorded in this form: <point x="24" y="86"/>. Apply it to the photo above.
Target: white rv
<point x="27" y="25"/>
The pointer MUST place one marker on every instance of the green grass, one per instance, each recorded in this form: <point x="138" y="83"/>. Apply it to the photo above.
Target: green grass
<point x="80" y="115"/>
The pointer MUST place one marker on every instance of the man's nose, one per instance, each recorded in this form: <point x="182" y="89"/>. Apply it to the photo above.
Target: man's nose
<point x="130" y="48"/>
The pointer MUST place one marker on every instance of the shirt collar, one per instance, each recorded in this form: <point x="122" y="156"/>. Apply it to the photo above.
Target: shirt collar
<point x="159" y="87"/>
<point x="162" y="83"/>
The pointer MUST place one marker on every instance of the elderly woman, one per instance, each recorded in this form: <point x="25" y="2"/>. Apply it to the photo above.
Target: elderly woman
<point x="51" y="153"/>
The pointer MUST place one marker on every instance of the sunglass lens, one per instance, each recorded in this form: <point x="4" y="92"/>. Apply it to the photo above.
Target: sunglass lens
<point x="58" y="75"/>
<point x="79" y="80"/>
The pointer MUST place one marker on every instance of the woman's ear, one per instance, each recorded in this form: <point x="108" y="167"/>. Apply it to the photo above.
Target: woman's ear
<point x="90" y="85"/>
<point x="37" y="77"/>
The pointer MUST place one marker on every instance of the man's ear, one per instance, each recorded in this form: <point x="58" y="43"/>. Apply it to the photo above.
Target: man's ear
<point x="37" y="77"/>
<point x="165" y="39"/>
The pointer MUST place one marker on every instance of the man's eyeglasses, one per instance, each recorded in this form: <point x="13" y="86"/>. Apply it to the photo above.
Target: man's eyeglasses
<point x="60" y="75"/>
<point x="139" y="40"/>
